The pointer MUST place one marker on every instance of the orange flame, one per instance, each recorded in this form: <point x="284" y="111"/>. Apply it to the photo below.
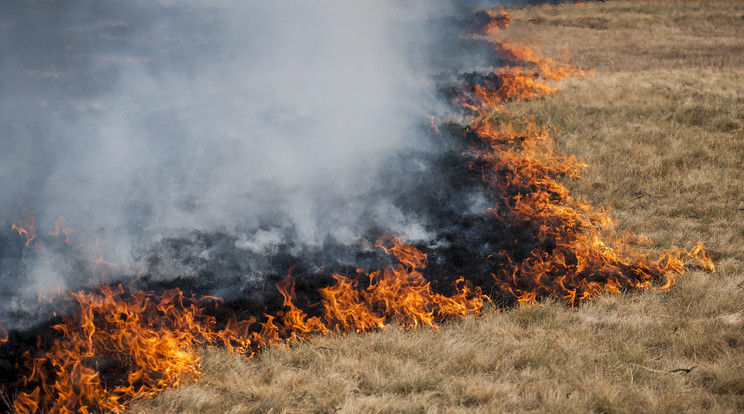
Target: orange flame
<point x="345" y="307"/>
<point x="25" y="228"/>
<point x="433" y="128"/>
<point x="58" y="225"/>
<point x="61" y="225"/>
<point x="491" y="21"/>
<point x="582" y="257"/>
<point x="27" y="402"/>
<point x="296" y="322"/>
<point x="118" y="345"/>
<point x="399" y="293"/>
<point x="498" y="21"/>
<point x="105" y="267"/>
<point x="150" y="340"/>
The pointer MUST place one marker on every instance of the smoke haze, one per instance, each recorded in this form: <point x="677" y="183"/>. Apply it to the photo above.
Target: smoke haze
<point x="279" y="123"/>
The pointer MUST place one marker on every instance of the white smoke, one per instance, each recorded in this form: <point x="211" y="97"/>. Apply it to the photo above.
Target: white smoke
<point x="141" y="120"/>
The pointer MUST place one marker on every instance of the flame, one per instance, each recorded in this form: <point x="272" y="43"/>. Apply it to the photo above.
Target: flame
<point x="433" y="128"/>
<point x="296" y="322"/>
<point x="579" y="256"/>
<point x="346" y="308"/>
<point x="116" y="344"/>
<point x="25" y="228"/>
<point x="492" y="21"/>
<point x="27" y="402"/>
<point x="61" y="225"/>
<point x="104" y="266"/>
<point x="498" y="21"/>
<point x="400" y="293"/>
<point x="120" y="344"/>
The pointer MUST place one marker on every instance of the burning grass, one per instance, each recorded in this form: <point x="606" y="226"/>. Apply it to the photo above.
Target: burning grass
<point x="661" y="134"/>
<point x="632" y="352"/>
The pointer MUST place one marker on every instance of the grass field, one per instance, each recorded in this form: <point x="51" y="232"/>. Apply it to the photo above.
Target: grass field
<point x="661" y="126"/>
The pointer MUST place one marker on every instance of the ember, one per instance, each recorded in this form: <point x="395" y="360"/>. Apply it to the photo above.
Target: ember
<point x="523" y="239"/>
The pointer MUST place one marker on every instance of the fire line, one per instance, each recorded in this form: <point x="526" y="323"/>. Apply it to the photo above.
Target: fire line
<point x="115" y="343"/>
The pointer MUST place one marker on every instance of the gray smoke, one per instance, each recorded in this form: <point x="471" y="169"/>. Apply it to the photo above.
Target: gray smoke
<point x="267" y="120"/>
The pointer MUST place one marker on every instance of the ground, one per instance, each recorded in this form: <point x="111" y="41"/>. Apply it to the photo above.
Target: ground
<point x="661" y="126"/>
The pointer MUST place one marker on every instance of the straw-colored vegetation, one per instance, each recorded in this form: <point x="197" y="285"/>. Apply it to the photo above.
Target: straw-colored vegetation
<point x="661" y="125"/>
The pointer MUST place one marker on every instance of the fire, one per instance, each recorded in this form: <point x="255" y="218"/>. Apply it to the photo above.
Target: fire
<point x="119" y="344"/>
<point x="104" y="266"/>
<point x="579" y="256"/>
<point x="116" y="343"/>
<point x="25" y="228"/>
<point x="492" y="21"/>
<point x="141" y="342"/>
<point x="433" y="128"/>
<point x="61" y="225"/>
<point x="296" y="322"/>
<point x="346" y="309"/>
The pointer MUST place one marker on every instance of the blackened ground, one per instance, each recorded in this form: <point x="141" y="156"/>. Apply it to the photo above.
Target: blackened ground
<point x="441" y="187"/>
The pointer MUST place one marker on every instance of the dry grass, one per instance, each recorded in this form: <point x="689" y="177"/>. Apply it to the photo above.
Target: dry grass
<point x="661" y="125"/>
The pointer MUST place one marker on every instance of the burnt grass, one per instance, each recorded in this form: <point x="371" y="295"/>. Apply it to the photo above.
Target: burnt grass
<point x="450" y="199"/>
<point x="469" y="242"/>
<point x="464" y="246"/>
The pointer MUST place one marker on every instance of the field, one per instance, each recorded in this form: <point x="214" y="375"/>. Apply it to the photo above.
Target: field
<point x="661" y="126"/>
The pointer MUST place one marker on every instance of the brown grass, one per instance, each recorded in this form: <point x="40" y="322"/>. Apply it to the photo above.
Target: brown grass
<point x="661" y="125"/>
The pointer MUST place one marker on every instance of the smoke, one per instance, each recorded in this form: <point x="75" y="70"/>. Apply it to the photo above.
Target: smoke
<point x="296" y="124"/>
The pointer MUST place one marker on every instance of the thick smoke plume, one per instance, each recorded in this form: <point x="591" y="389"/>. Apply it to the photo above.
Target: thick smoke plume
<point x="281" y="126"/>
